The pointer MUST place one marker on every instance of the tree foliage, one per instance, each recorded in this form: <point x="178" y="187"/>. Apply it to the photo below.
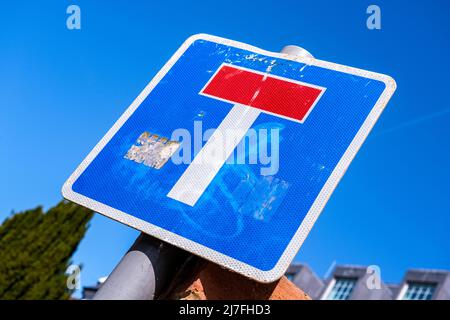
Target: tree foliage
<point x="36" y="248"/>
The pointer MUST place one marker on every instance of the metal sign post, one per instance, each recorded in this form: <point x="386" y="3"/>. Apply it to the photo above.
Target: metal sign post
<point x="151" y="264"/>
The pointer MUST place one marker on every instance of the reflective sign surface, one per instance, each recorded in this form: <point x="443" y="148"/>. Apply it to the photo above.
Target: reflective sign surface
<point x="231" y="152"/>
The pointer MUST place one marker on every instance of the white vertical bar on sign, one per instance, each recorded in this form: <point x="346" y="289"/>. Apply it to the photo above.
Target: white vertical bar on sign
<point x="207" y="163"/>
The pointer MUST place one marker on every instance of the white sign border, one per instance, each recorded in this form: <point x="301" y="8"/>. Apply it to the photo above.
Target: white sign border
<point x="299" y="237"/>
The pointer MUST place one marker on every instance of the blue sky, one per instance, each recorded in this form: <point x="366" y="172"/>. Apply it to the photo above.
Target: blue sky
<point x="61" y="90"/>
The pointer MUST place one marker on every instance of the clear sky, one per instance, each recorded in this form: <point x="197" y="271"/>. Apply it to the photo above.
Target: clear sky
<point x="61" y="90"/>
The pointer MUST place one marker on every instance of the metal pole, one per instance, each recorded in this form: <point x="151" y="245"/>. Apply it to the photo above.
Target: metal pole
<point x="144" y="272"/>
<point x="151" y="264"/>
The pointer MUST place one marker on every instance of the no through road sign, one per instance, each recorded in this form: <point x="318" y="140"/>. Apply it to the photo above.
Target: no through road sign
<point x="231" y="152"/>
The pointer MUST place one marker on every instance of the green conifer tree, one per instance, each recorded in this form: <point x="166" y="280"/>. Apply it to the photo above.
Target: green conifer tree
<point x="36" y="248"/>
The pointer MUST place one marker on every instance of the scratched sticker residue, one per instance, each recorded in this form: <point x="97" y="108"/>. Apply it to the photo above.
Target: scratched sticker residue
<point x="152" y="150"/>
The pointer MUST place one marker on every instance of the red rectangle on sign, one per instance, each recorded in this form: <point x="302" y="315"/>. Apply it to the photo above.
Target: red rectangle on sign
<point x="279" y="96"/>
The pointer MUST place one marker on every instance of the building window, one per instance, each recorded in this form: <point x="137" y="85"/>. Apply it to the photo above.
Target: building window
<point x="419" y="291"/>
<point x="342" y="289"/>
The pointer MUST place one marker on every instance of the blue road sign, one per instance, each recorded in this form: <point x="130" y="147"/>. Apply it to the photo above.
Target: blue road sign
<point x="231" y="152"/>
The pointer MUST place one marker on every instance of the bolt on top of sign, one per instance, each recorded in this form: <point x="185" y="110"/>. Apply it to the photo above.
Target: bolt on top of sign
<point x="231" y="152"/>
